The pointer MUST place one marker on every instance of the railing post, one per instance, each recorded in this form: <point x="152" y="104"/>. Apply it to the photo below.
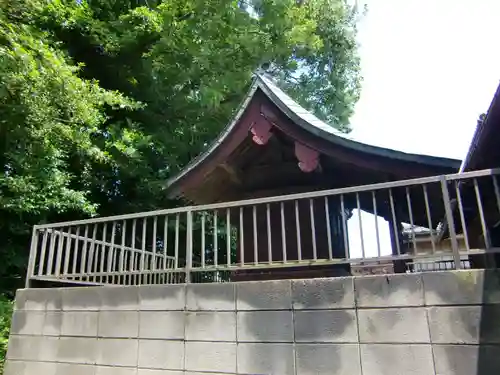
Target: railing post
<point x="31" y="263"/>
<point x="451" y="223"/>
<point x="189" y="246"/>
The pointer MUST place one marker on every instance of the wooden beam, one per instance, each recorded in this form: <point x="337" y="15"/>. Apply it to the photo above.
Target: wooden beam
<point x="234" y="174"/>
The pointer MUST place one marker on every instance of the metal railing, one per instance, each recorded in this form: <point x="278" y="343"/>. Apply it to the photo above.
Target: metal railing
<point x="286" y="235"/>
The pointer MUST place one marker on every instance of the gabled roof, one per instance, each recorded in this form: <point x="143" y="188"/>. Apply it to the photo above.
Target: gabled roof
<point x="307" y="121"/>
<point x="311" y="123"/>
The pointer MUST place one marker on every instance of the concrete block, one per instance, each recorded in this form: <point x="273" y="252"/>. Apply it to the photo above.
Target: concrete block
<point x="264" y="295"/>
<point x="118" y="324"/>
<point x="117" y="352"/>
<point x="162" y="297"/>
<point x="215" y="357"/>
<point x="74" y="369"/>
<point x="465" y="287"/>
<point x="112" y="370"/>
<point x="466" y="359"/>
<point x="81" y="350"/>
<point x="211" y="297"/>
<point x="53" y="323"/>
<point x="167" y="325"/>
<point x="389" y="290"/>
<point x="265" y="326"/>
<point x="161" y="354"/>
<point x="402" y="325"/>
<point x="42" y="368"/>
<point x="25" y="322"/>
<point x="326" y="326"/>
<point x="13" y="367"/>
<point x="211" y="326"/>
<point x="53" y="299"/>
<point x="332" y="293"/>
<point x="80" y="299"/>
<point x="264" y="358"/>
<point x="328" y="359"/>
<point x="79" y="323"/>
<point x="119" y="298"/>
<point x="465" y="324"/>
<point x="23" y="348"/>
<point x="30" y="299"/>
<point x="383" y="359"/>
<point x="143" y="371"/>
<point x="49" y="349"/>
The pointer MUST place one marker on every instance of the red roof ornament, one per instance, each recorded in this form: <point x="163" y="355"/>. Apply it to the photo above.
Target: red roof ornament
<point x="308" y="158"/>
<point x="261" y="131"/>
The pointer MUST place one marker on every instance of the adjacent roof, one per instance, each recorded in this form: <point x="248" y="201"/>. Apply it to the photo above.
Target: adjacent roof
<point x="314" y="126"/>
<point x="483" y="151"/>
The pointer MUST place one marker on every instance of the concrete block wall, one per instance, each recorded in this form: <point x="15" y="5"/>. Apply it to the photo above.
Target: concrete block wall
<point x="439" y="323"/>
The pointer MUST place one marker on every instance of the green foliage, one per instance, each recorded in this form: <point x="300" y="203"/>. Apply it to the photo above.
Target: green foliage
<point x="102" y="100"/>
<point x="6" y="307"/>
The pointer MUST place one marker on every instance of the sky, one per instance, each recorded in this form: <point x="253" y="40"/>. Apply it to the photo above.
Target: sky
<point x="430" y="68"/>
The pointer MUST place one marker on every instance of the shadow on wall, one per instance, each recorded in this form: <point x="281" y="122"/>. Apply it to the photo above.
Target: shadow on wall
<point x="295" y="317"/>
<point x="474" y="319"/>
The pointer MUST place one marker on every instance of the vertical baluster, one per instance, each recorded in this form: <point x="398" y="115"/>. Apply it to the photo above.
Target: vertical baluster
<point x="153" y="246"/>
<point x="313" y="229"/>
<point x="375" y="213"/>
<point x="344" y="226"/>
<point x="462" y="215"/>
<point x="98" y="250"/>
<point x="394" y="222"/>
<point x="42" y="254"/>
<point x="111" y="255"/>
<point x="242" y="242"/>
<point x="67" y="253"/>
<point x="486" y="236"/>
<point x="269" y="235"/>
<point x="134" y="253"/>
<point x="60" y="250"/>
<point x="176" y="249"/>
<point x="165" y="242"/>
<point x="497" y="191"/>
<point x="203" y="245"/>
<point x="103" y="251"/>
<point x="360" y="227"/>
<point x="50" y="263"/>
<point x="92" y="254"/>
<point x="228" y="237"/>
<point x="297" y="225"/>
<point x="255" y="239"/>
<point x="142" y="265"/>
<point x="75" y="253"/>
<point x="189" y="246"/>
<point x="122" y="253"/>
<point x="83" y="263"/>
<point x="216" y="240"/>
<point x="451" y="223"/>
<point x="283" y="231"/>
<point x="412" y="224"/>
<point x="429" y="221"/>
<point x="328" y="229"/>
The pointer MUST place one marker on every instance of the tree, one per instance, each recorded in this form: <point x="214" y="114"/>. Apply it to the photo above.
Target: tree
<point x="103" y="100"/>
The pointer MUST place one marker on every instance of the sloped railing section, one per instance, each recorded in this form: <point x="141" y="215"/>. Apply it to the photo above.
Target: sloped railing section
<point x="430" y="220"/>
